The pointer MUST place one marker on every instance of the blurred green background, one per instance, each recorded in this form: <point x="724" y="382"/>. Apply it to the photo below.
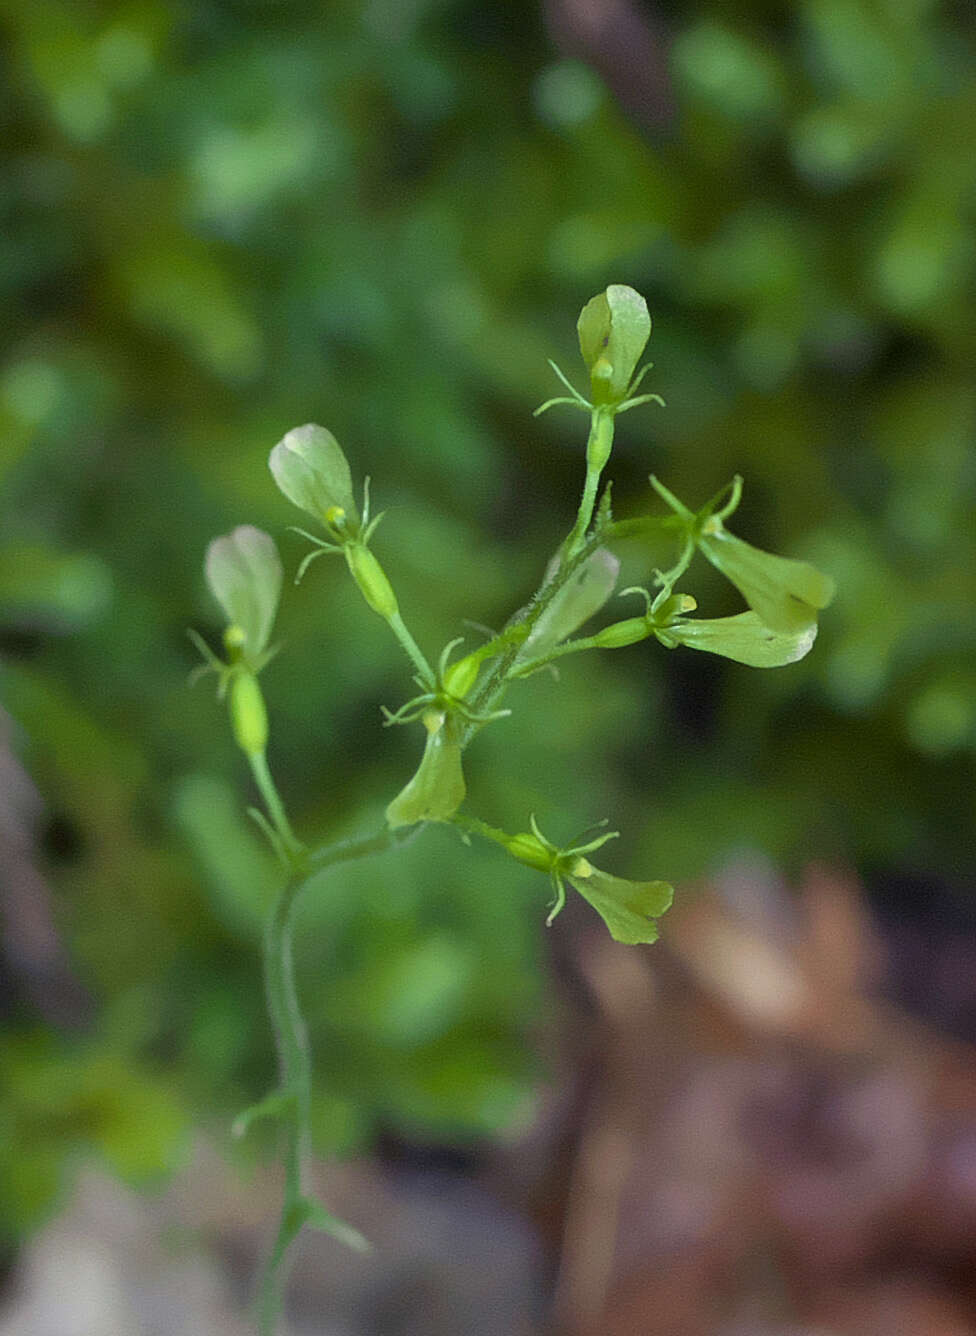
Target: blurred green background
<point x="220" y="220"/>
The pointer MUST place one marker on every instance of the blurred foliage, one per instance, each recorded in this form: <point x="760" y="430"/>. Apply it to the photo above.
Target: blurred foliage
<point x="223" y="219"/>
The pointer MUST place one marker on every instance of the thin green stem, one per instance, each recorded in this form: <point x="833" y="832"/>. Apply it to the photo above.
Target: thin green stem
<point x="344" y="851"/>
<point x="472" y="825"/>
<point x="598" y="447"/>
<point x="514" y="635"/>
<point x="294" y="1062"/>
<point x="585" y="513"/>
<point x="272" y="801"/>
<point x="668" y="579"/>
<point x="567" y="647"/>
<point x="294" y="1054"/>
<point x="413" y="650"/>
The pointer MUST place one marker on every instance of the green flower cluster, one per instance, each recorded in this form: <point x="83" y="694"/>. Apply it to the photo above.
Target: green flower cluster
<point x="784" y="597"/>
<point x="630" y="909"/>
<point x="458" y="698"/>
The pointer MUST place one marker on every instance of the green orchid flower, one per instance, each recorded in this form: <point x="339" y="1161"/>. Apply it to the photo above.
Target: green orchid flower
<point x="630" y="909"/>
<point x="243" y="571"/>
<point x="311" y="470"/>
<point x="785" y="594"/>
<point x="613" y="329"/>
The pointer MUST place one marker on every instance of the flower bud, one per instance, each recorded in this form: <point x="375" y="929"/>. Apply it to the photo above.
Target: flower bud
<point x="624" y="633"/>
<point x="248" y="714"/>
<point x="613" y="331"/>
<point x="243" y="570"/>
<point x="461" y="676"/>
<point x="530" y="850"/>
<point x="371" y="578"/>
<point x="313" y="473"/>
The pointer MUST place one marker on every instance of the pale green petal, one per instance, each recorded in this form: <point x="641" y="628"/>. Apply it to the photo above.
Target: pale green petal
<point x="786" y="594"/>
<point x="311" y="470"/>
<point x="593" y="328"/>
<point x="243" y="570"/>
<point x="745" y="638"/>
<point x="437" y="790"/>
<point x="628" y="908"/>
<point x="583" y="595"/>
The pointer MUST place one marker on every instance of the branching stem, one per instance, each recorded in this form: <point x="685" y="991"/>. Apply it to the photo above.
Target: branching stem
<point x="489" y="693"/>
<point x="272" y="801"/>
<point x="531" y="666"/>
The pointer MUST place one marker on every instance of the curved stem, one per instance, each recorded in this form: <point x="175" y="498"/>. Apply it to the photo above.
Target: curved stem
<point x="344" y="851"/>
<point x="669" y="578"/>
<point x="294" y="1054"/>
<point x="513" y="635"/>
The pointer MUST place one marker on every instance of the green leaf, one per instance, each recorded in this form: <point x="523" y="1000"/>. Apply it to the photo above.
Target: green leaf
<point x="437" y="790"/>
<point x="311" y="470"/>
<point x="628" y="908"/>
<point x="243" y="570"/>
<point x="786" y="594"/>
<point x="745" y="638"/>
<point x="583" y="595"/>
<point x="613" y="331"/>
